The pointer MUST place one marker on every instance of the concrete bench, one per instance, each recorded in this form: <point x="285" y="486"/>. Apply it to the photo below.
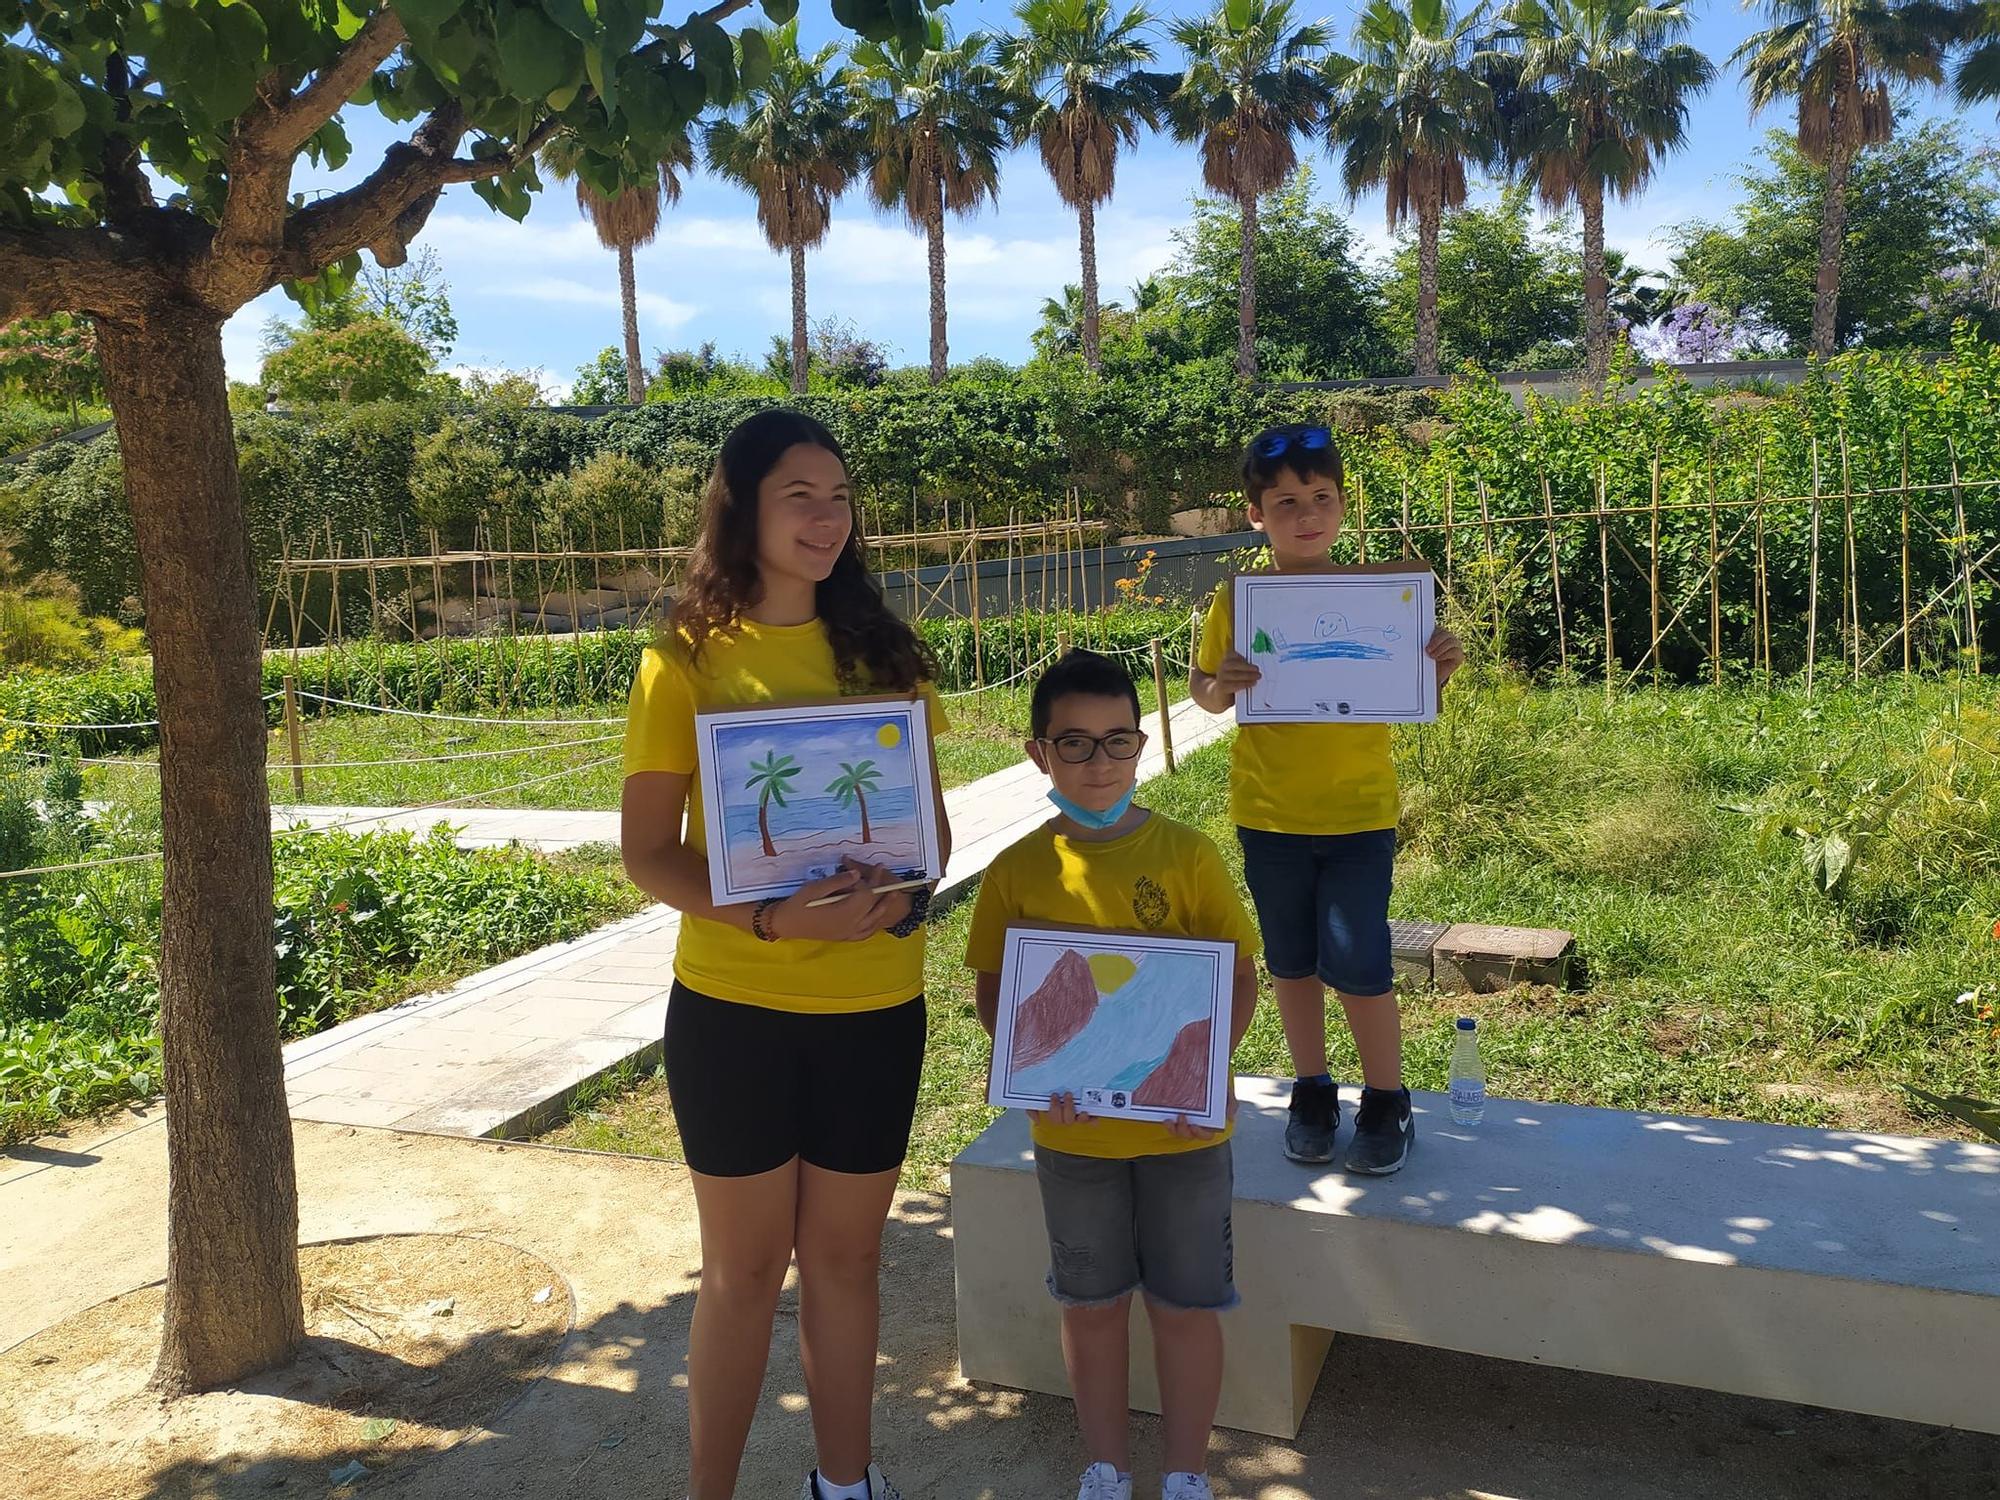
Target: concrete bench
<point x="1827" y="1267"/>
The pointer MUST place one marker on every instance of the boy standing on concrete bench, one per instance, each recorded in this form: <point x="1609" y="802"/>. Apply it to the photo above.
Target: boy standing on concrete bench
<point x="1130" y="1204"/>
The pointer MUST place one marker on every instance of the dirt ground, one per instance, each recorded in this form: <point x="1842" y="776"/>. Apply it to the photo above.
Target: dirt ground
<point x="81" y="1221"/>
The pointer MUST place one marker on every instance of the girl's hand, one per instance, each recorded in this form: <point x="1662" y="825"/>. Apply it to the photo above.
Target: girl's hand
<point x="1236" y="672"/>
<point x="847" y="921"/>
<point x="1448" y="651"/>
<point x="891" y="908"/>
<point x="1062" y="1110"/>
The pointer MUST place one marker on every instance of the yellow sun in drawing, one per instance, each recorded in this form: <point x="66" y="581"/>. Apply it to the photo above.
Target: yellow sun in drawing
<point x="1406" y="596"/>
<point x="1111" y="971"/>
<point x="888" y="736"/>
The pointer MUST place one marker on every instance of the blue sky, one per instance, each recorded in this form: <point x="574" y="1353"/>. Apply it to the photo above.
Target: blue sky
<point x="543" y="294"/>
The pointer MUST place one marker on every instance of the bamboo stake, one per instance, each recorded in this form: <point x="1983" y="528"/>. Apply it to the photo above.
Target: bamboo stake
<point x="1160" y="692"/>
<point x="1555" y="574"/>
<point x="1653" y="569"/>
<point x="1849" y="565"/>
<point x="1450" y="532"/>
<point x="1406" y="517"/>
<point x="1906" y="551"/>
<point x="1762" y="622"/>
<point x="1714" y="582"/>
<point x="978" y="644"/>
<point x="296" y="736"/>
<point x="1492" y="567"/>
<point x="1604" y="576"/>
<point x="1964" y="556"/>
<point x="375" y="620"/>
<point x="1361" y="518"/>
<point x="1812" y="576"/>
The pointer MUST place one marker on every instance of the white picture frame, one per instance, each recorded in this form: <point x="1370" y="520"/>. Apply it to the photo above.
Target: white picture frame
<point x="1060" y="1028"/>
<point x="790" y="792"/>
<point x="1339" y="647"/>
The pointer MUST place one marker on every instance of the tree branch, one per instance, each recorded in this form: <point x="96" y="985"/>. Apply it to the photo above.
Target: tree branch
<point x="377" y="211"/>
<point x="100" y="272"/>
<point x="127" y="193"/>
<point x="252" y="235"/>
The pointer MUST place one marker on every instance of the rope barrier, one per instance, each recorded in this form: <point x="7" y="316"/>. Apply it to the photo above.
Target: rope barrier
<point x="93" y="728"/>
<point x="348" y="765"/>
<point x="412" y="713"/>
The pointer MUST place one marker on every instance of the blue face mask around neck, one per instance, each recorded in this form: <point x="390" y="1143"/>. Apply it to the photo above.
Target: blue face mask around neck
<point x="1077" y="813"/>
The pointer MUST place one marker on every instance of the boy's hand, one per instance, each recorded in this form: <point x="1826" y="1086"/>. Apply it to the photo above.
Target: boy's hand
<point x="1236" y="672"/>
<point x="1062" y="1110"/>
<point x="1448" y="651"/>
<point x="1187" y="1131"/>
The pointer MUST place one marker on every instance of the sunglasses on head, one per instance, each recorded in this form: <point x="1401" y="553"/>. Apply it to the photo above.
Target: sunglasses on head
<point x="1283" y="440"/>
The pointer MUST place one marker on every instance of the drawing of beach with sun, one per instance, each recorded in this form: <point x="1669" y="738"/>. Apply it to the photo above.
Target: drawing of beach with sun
<point x="788" y="793"/>
<point x="1337" y="646"/>
<point x="1136" y="1027"/>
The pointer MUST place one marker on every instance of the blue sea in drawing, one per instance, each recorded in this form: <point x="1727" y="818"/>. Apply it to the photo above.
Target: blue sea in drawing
<point x="814" y="815"/>
<point x="1133" y="1028"/>
<point x="1335" y="640"/>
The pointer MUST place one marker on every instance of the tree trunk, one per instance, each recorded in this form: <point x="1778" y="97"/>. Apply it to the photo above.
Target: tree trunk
<point x="798" y="320"/>
<point x="1426" y="353"/>
<point x="1246" y="294"/>
<point x="1596" y="287"/>
<point x="867" y="833"/>
<point x="1832" y="233"/>
<point x="628" y="294"/>
<point x="934" y="233"/>
<point x="1086" y="218"/>
<point x="232" y="1300"/>
<point x="764" y="826"/>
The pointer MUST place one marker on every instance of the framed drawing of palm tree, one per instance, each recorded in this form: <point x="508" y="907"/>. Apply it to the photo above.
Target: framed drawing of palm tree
<point x="787" y="794"/>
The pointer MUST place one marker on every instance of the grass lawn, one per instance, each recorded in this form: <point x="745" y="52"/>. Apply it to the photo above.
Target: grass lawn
<point x="985" y="736"/>
<point x="1670" y="832"/>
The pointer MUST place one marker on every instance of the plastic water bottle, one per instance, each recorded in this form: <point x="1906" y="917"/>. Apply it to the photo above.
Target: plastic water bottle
<point x="1468" y="1075"/>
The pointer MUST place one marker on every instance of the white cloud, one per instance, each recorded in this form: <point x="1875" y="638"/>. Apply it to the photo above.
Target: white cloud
<point x="657" y="308"/>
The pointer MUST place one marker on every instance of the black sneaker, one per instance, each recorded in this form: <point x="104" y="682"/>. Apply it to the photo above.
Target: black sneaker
<point x="1315" y="1120"/>
<point x="1383" y="1132"/>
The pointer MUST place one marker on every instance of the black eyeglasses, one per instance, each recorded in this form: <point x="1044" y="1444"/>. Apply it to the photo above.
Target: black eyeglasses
<point x="1081" y="749"/>
<point x="1282" y="440"/>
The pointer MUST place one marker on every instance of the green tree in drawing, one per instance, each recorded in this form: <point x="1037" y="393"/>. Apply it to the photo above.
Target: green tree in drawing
<point x="1260" y="643"/>
<point x="852" y="786"/>
<point x="771" y="777"/>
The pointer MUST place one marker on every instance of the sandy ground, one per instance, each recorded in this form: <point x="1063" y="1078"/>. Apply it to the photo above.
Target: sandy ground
<point x="81" y="1219"/>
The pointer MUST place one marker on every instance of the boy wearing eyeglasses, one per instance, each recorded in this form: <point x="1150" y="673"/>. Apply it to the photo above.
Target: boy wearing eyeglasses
<point x="1131" y="1205"/>
<point x="1315" y="808"/>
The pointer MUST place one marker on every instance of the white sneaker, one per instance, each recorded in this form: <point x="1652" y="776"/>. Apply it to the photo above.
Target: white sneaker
<point x="879" y="1487"/>
<point x="1185" y="1486"/>
<point x="1102" y="1482"/>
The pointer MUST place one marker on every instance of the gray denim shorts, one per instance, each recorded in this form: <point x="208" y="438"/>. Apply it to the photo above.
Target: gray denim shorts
<point x="1157" y="1222"/>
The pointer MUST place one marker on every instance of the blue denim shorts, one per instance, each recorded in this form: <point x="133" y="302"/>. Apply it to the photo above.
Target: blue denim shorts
<point x="1323" y="905"/>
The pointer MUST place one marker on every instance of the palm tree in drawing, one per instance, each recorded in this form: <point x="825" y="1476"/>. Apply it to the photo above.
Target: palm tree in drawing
<point x="852" y="785"/>
<point x="771" y="778"/>
<point x="1260" y="644"/>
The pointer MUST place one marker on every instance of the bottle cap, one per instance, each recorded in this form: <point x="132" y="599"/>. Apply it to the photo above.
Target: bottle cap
<point x="1467" y="1023"/>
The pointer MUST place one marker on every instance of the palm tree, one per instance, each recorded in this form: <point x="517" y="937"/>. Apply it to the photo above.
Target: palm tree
<point x="1839" y="59"/>
<point x="771" y="778"/>
<point x="1252" y="86"/>
<point x="936" y="127"/>
<point x="851" y="787"/>
<point x="1978" y="75"/>
<point x="1075" y="71"/>
<point x="795" y="144"/>
<point x="1416" y="107"/>
<point x="1605" y="87"/>
<point x="625" y="221"/>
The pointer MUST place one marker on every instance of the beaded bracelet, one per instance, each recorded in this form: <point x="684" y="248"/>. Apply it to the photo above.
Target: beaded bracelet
<point x="758" y="928"/>
<point x="920" y="905"/>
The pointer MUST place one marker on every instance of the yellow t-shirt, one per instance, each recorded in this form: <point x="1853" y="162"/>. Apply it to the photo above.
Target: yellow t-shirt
<point x="1301" y="778"/>
<point x="759" y="664"/>
<point x="1162" y="877"/>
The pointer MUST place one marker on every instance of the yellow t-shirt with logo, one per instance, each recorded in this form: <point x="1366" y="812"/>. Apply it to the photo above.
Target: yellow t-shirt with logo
<point x="1162" y="877"/>
<point x="759" y="664"/>
<point x="1301" y="778"/>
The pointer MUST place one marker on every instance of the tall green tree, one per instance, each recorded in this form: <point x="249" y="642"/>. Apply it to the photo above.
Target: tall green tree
<point x="1921" y="227"/>
<point x="1253" y="85"/>
<point x="1839" y="59"/>
<point x="937" y="124"/>
<point x="1076" y="72"/>
<point x="796" y="144"/>
<point x="219" y="101"/>
<point x="1604" y="93"/>
<point x="627" y="219"/>
<point x="1319" y="310"/>
<point x="1416" y="108"/>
